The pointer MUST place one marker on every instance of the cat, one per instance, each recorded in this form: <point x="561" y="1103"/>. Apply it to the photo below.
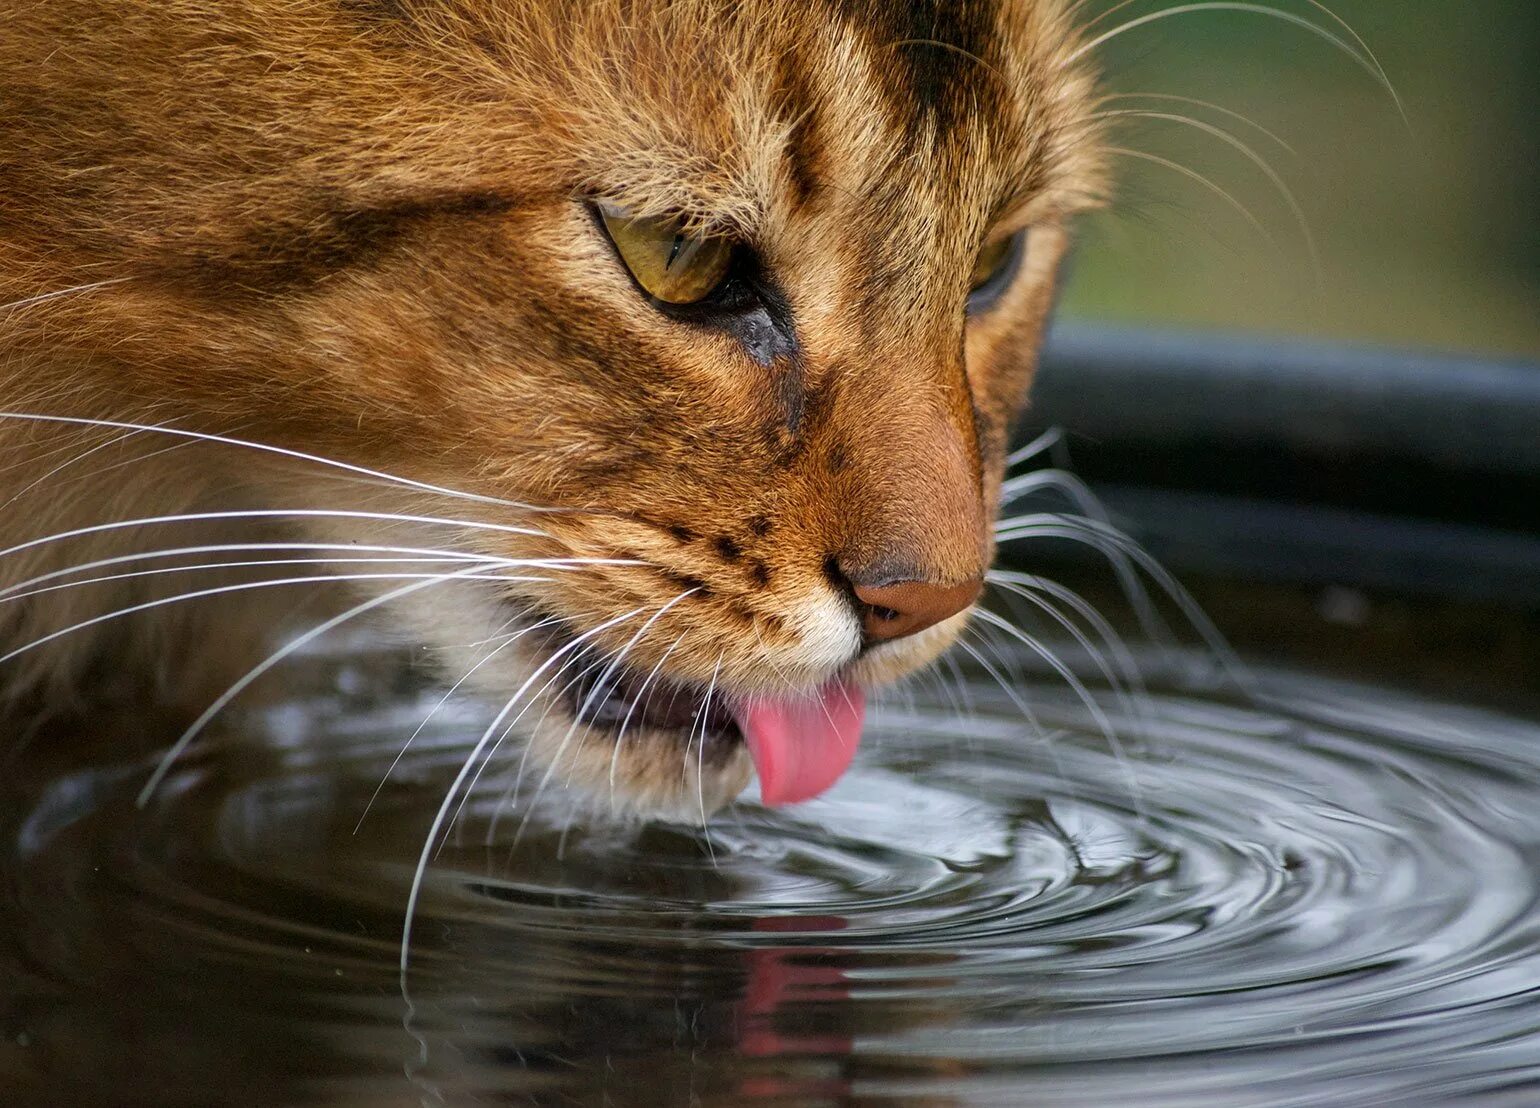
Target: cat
<point x="650" y="362"/>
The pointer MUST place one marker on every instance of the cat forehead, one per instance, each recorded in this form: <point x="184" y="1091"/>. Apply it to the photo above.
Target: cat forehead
<point x="724" y="112"/>
<point x="863" y="97"/>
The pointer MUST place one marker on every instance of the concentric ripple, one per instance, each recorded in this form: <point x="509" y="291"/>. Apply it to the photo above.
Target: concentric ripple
<point x="1323" y="894"/>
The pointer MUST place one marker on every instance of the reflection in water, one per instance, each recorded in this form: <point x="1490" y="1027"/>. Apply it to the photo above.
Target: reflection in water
<point x="1327" y="896"/>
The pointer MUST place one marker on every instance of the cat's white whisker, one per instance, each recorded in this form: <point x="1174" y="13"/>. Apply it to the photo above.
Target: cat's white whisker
<point x="1040" y="445"/>
<point x="1208" y="183"/>
<point x="1090" y="506"/>
<point x="415" y="891"/>
<point x="1106" y="540"/>
<point x="72" y="460"/>
<point x="549" y="699"/>
<point x="245" y="680"/>
<point x="1030" y="587"/>
<point x="280" y="451"/>
<point x="595" y="693"/>
<point x="641" y="693"/>
<point x="1220" y="109"/>
<point x="409" y="554"/>
<point x="508" y="641"/>
<point x="1360" y="53"/>
<point x="266" y="514"/>
<point x="44" y="297"/>
<point x="1070" y="678"/>
<point x="700" y="759"/>
<point x="1248" y="152"/>
<point x="223" y="590"/>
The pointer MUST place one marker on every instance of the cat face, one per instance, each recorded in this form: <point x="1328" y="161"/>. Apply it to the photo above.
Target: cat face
<point x="415" y="236"/>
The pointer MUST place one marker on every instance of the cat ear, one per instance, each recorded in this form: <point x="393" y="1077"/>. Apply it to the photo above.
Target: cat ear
<point x="668" y="262"/>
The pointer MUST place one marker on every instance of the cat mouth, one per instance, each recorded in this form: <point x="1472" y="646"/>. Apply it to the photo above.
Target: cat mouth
<point x="799" y="744"/>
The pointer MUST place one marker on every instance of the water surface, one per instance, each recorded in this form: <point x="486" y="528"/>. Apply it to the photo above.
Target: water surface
<point x="1325" y="895"/>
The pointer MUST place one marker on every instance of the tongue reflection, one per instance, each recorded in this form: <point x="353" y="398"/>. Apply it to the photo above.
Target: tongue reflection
<point x="800" y="747"/>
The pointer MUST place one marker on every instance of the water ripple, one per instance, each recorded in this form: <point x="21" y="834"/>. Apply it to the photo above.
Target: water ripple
<point x="1325" y="896"/>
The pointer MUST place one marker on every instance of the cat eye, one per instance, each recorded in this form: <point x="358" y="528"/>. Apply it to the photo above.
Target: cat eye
<point x="993" y="269"/>
<point x="671" y="264"/>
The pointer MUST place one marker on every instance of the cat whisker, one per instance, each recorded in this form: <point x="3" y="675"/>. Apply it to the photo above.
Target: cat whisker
<point x="1028" y="587"/>
<point x="1015" y="698"/>
<point x="44" y="297"/>
<point x="256" y="671"/>
<point x="1193" y="175"/>
<point x="1251" y="155"/>
<point x="1220" y="109"/>
<point x="72" y="460"/>
<point x="415" y="891"/>
<point x="424" y="555"/>
<point x="267" y="514"/>
<point x="545" y="712"/>
<point x="593" y="696"/>
<point x="951" y="48"/>
<point x="1044" y="442"/>
<point x="1086" y="502"/>
<point x="642" y="692"/>
<point x="700" y="759"/>
<point x="508" y="641"/>
<point x="280" y="451"/>
<point x="1108" y="541"/>
<point x="1070" y="678"/>
<point x="1360" y="53"/>
<point x="246" y="586"/>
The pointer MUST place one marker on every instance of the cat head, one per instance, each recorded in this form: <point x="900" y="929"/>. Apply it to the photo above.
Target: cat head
<point x="718" y="313"/>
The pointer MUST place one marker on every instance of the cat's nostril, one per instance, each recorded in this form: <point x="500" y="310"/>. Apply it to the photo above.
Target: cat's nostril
<point x="902" y="608"/>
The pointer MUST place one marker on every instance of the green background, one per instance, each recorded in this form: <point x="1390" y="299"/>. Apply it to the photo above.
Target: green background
<point x="1428" y="234"/>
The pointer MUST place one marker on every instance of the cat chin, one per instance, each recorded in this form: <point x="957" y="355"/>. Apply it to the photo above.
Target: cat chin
<point x="647" y="773"/>
<point x="889" y="663"/>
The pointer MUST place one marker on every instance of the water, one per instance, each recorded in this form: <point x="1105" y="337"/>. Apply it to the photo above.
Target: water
<point x="1326" y="896"/>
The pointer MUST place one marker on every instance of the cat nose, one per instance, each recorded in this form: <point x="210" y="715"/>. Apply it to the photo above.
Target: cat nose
<point x="898" y="609"/>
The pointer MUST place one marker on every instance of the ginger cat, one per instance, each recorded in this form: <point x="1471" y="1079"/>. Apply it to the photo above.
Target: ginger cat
<point x="651" y="363"/>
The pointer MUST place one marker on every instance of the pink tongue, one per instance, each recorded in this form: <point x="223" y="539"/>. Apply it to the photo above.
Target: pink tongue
<point x="801" y="747"/>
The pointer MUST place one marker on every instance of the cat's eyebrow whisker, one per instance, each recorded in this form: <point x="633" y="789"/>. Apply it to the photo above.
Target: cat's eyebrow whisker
<point x="414" y="893"/>
<point x="1252" y="156"/>
<point x="1220" y="109"/>
<point x="1359" y="53"/>
<point x="299" y="642"/>
<point x="285" y="452"/>
<point x="1208" y="183"/>
<point x="44" y="297"/>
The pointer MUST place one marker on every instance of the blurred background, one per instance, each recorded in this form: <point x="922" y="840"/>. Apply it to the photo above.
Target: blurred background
<point x="1426" y="230"/>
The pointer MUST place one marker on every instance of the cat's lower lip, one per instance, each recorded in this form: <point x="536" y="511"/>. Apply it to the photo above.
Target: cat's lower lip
<point x="623" y="700"/>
